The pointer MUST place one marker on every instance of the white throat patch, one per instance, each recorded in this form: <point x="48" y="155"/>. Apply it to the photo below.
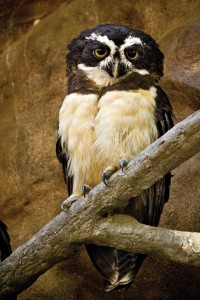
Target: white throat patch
<point x="97" y="75"/>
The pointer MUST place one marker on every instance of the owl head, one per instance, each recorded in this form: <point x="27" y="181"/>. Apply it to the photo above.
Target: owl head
<point x="107" y="53"/>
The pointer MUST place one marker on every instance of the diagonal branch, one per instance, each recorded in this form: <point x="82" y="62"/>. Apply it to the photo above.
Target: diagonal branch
<point x="57" y="240"/>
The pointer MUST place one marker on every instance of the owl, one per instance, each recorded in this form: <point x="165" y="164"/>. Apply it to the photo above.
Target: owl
<point x="114" y="108"/>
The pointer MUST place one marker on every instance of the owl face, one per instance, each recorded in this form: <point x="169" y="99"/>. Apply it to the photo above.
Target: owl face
<point x="109" y="53"/>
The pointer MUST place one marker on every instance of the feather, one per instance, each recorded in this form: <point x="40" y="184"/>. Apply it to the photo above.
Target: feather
<point x="120" y="267"/>
<point x="146" y="208"/>
<point x="64" y="160"/>
<point x="5" y="248"/>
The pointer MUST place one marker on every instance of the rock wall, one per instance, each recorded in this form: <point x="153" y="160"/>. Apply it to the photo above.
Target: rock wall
<point x="34" y="35"/>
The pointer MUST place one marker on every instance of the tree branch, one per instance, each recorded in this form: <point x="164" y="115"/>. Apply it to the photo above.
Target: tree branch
<point x="57" y="240"/>
<point x="178" y="246"/>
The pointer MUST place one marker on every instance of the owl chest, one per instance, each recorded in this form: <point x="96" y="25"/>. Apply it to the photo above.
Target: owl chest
<point x="125" y="124"/>
<point x="119" y="124"/>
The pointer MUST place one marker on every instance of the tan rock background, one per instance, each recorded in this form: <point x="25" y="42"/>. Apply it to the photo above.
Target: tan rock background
<point x="33" y="40"/>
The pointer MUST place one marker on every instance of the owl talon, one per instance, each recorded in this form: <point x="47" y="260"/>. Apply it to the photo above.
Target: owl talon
<point x="85" y="189"/>
<point x="68" y="202"/>
<point x="123" y="163"/>
<point x="107" y="173"/>
<point x="104" y="177"/>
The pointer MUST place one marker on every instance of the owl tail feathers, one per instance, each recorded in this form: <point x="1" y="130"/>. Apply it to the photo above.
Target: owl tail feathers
<point x="108" y="286"/>
<point x="118" y="267"/>
<point x="122" y="282"/>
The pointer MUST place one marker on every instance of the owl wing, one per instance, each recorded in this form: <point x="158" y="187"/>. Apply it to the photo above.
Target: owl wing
<point x="5" y="248"/>
<point x="120" y="267"/>
<point x="158" y="193"/>
<point x="65" y="161"/>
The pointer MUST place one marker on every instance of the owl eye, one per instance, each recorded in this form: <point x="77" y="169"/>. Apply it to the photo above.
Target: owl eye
<point x="132" y="54"/>
<point x="100" y="52"/>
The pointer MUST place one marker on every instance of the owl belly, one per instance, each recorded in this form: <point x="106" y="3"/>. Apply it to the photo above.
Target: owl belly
<point x="125" y="125"/>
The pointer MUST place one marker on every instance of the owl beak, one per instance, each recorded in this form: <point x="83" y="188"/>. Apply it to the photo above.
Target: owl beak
<point x="118" y="69"/>
<point x="115" y="68"/>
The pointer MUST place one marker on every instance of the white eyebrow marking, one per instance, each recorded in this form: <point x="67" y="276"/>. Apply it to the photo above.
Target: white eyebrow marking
<point x="129" y="41"/>
<point x="104" y="40"/>
<point x="132" y="40"/>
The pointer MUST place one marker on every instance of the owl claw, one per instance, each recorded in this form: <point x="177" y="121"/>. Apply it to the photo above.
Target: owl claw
<point x="107" y="173"/>
<point x="68" y="202"/>
<point x="123" y="163"/>
<point x="85" y="189"/>
<point x="104" y="177"/>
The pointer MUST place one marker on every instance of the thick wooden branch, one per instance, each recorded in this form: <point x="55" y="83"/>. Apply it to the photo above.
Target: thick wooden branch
<point x="178" y="246"/>
<point x="84" y="222"/>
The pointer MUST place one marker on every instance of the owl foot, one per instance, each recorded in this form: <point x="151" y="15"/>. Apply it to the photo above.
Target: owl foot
<point x="68" y="202"/>
<point x="85" y="189"/>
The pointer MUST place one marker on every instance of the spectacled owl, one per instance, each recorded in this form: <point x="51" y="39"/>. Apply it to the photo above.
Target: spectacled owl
<point x="114" y="108"/>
